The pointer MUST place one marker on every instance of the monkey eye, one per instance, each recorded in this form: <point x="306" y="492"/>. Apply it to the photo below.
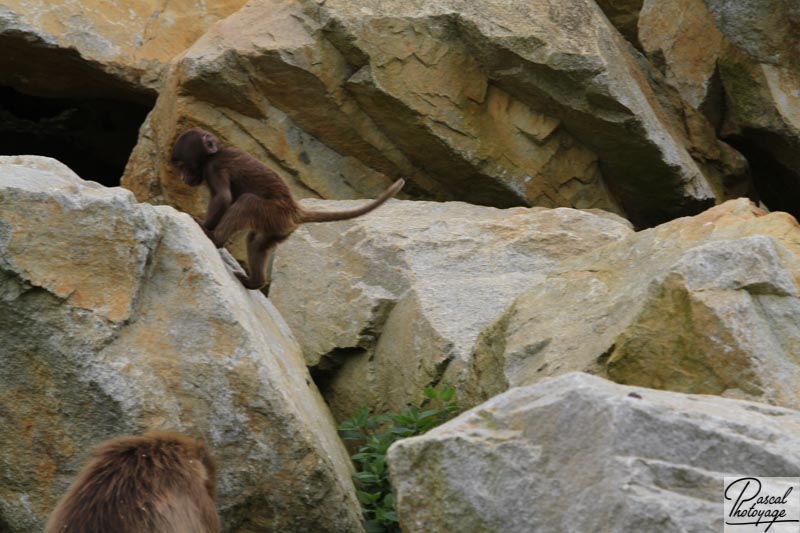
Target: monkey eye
<point x="177" y="162"/>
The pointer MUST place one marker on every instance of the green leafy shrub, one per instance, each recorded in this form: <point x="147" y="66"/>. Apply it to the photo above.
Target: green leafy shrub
<point x="375" y="433"/>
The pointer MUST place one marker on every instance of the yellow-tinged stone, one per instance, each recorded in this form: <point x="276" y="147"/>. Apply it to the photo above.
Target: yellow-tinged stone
<point x="704" y="304"/>
<point x="118" y="317"/>
<point x="104" y="283"/>
<point x="140" y="35"/>
<point x="683" y="35"/>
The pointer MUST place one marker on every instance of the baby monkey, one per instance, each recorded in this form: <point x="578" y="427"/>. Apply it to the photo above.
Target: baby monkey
<point x="245" y="193"/>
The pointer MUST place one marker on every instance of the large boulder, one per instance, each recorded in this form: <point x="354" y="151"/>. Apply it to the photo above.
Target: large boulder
<point x="116" y="317"/>
<point x="96" y="48"/>
<point x="386" y="304"/>
<point x="578" y="453"/>
<point x="737" y="62"/>
<point x="706" y="304"/>
<point x="77" y="78"/>
<point x="494" y="103"/>
<point x="266" y="81"/>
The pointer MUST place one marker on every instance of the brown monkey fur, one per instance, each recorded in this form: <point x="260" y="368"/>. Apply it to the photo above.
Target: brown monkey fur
<point x="247" y="194"/>
<point x="155" y="483"/>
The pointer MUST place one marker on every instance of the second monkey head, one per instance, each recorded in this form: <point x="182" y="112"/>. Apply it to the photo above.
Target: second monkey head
<point x="190" y="153"/>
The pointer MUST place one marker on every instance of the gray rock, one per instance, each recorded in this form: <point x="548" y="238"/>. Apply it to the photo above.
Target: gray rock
<point x="766" y="31"/>
<point x="399" y="296"/>
<point x="578" y="453"/>
<point x="701" y="305"/>
<point x="117" y="317"/>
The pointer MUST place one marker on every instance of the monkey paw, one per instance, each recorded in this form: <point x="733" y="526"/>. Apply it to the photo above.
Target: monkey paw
<point x="209" y="233"/>
<point x="248" y="282"/>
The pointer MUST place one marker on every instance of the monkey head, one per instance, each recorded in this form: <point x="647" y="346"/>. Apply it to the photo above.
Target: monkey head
<point x="190" y="153"/>
<point x="159" y="482"/>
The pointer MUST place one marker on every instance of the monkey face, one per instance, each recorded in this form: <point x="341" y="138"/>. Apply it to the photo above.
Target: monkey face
<point x="189" y="176"/>
<point x="190" y="153"/>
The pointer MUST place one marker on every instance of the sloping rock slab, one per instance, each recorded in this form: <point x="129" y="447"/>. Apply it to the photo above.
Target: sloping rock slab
<point x="578" y="453"/>
<point x="706" y="304"/>
<point x="116" y="317"/>
<point x="400" y="295"/>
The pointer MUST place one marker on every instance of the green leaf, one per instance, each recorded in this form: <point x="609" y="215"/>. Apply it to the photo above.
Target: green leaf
<point x="388" y="500"/>
<point x="359" y="419"/>
<point x="429" y="413"/>
<point x="348" y="434"/>
<point x="368" y="457"/>
<point x="367" y="498"/>
<point x="447" y="394"/>
<point x="366" y="477"/>
<point x="371" y="526"/>
<point x="403" y="420"/>
<point x="430" y="393"/>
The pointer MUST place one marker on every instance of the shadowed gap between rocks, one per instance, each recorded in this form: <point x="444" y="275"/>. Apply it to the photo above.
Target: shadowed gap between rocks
<point x="92" y="136"/>
<point x="329" y="364"/>
<point x="777" y="185"/>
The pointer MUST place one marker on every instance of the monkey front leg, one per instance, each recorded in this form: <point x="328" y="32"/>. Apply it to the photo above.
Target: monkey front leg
<point x="217" y="207"/>
<point x="201" y="222"/>
<point x="260" y="248"/>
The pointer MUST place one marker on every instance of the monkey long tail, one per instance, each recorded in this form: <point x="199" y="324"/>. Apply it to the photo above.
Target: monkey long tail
<point x="329" y="216"/>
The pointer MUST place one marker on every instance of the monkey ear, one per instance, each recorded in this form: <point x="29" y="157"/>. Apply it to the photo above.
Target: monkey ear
<point x="210" y="143"/>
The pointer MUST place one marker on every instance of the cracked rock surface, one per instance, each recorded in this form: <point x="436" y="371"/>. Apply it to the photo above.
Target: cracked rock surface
<point x="118" y="317"/>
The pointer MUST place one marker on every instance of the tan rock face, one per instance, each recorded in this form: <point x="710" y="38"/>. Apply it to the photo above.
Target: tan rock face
<point x="737" y="63"/>
<point x="400" y="295"/>
<point x="117" y="317"/>
<point x="491" y="103"/>
<point x="129" y="41"/>
<point x="209" y="88"/>
<point x="680" y="38"/>
<point x="490" y="147"/>
<point x="700" y="305"/>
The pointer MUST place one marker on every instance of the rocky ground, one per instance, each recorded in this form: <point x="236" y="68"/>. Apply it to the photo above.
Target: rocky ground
<point x="596" y="247"/>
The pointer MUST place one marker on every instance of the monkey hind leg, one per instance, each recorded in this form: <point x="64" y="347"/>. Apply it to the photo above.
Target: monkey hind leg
<point x="266" y="216"/>
<point x="259" y="248"/>
<point x="243" y="213"/>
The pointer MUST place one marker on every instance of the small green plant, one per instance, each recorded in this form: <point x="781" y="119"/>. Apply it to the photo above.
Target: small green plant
<point x="375" y="433"/>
